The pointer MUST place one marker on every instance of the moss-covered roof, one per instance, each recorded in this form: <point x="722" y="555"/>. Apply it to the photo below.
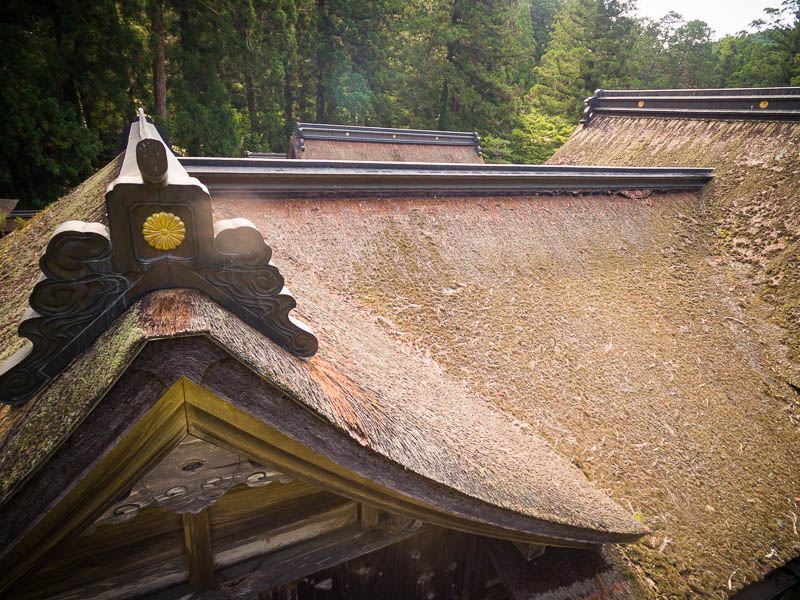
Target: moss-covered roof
<point x="748" y="233"/>
<point x="19" y="262"/>
<point x="646" y="337"/>
<point x="604" y="324"/>
<point x="382" y="393"/>
<point x="344" y="142"/>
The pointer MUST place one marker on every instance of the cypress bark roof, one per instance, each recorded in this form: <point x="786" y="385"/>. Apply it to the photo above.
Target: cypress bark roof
<point x="747" y="232"/>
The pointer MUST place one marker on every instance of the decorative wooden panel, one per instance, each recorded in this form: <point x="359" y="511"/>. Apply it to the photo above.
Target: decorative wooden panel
<point x="193" y="476"/>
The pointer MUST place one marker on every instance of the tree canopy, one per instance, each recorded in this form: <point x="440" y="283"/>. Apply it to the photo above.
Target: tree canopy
<point x="226" y="76"/>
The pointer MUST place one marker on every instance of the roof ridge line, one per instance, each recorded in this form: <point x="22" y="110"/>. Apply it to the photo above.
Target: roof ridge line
<point x="777" y="103"/>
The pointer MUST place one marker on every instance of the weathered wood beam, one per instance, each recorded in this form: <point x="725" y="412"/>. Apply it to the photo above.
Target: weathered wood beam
<point x="369" y="515"/>
<point x="530" y="551"/>
<point x="199" y="554"/>
<point x="249" y="578"/>
<point x="152" y="438"/>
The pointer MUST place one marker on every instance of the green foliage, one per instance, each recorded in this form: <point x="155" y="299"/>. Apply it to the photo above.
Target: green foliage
<point x="205" y="120"/>
<point x="543" y="14"/>
<point x="533" y="141"/>
<point x="588" y="49"/>
<point x="239" y="73"/>
<point x="45" y="143"/>
<point x="783" y="35"/>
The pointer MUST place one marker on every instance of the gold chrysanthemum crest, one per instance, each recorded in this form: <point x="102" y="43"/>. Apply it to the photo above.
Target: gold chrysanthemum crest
<point x="164" y="231"/>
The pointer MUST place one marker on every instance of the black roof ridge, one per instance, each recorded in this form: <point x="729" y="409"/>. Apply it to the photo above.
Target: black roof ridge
<point x="401" y="130"/>
<point x="384" y="135"/>
<point x="716" y="92"/>
<point x="285" y="177"/>
<point x="761" y="104"/>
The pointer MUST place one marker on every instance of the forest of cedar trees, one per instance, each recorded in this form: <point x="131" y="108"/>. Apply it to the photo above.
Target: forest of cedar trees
<point x="226" y="76"/>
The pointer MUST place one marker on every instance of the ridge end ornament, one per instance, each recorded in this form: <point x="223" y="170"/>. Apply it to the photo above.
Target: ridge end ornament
<point x="160" y="235"/>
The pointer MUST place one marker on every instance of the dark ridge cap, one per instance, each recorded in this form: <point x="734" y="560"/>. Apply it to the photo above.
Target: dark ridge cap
<point x="268" y="177"/>
<point x="384" y="135"/>
<point x="161" y="234"/>
<point x="265" y="154"/>
<point x="716" y="92"/>
<point x="772" y="104"/>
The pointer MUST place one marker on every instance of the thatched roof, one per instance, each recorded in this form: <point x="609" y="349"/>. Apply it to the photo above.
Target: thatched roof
<point x="478" y="340"/>
<point x="313" y="141"/>
<point x="728" y="502"/>
<point x="439" y="437"/>
<point x="19" y="267"/>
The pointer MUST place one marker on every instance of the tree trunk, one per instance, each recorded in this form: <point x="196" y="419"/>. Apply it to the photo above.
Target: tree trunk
<point x="441" y="122"/>
<point x="251" y="102"/>
<point x="322" y="49"/>
<point x="288" y="97"/>
<point x="183" y="11"/>
<point x="159" y="61"/>
<point x="445" y="97"/>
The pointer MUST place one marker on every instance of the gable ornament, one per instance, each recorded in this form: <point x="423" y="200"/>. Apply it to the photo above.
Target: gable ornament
<point x="160" y="235"/>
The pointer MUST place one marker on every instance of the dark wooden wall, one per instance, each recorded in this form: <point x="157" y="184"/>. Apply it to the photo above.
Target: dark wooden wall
<point x="437" y="563"/>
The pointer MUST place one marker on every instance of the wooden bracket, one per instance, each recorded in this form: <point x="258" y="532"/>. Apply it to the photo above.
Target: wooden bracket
<point x="530" y="551"/>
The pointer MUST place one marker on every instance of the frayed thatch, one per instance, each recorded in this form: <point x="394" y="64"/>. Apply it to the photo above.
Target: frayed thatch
<point x="19" y="262"/>
<point x="751" y="230"/>
<point x="377" y="392"/>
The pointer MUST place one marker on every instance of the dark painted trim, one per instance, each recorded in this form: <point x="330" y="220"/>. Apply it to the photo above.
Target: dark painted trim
<point x="252" y="177"/>
<point x="763" y="104"/>
<point x="781" y="584"/>
<point x="93" y="273"/>
<point x="384" y="135"/>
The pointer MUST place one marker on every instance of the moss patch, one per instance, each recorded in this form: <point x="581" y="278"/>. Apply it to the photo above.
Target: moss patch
<point x="19" y="263"/>
<point x="754" y="220"/>
<point x="605" y="324"/>
<point x="63" y="404"/>
<point x="752" y="229"/>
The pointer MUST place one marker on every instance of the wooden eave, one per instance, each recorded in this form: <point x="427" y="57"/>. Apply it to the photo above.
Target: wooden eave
<point x="111" y="449"/>
<point x="188" y="409"/>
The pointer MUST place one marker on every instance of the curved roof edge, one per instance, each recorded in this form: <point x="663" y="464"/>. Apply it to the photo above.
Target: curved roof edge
<point x="773" y="104"/>
<point x="296" y="400"/>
